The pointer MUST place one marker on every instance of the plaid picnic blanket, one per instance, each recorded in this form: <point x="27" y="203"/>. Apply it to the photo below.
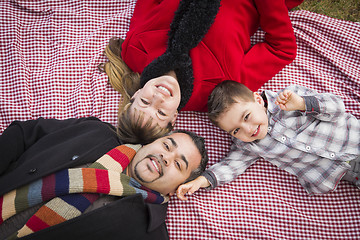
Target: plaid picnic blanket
<point x="49" y="53"/>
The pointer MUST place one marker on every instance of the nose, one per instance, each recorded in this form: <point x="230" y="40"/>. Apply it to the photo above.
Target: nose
<point x="158" y="98"/>
<point x="245" y="127"/>
<point x="167" y="158"/>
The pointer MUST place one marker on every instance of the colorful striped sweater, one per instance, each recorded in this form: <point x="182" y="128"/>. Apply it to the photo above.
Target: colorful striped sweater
<point x="72" y="191"/>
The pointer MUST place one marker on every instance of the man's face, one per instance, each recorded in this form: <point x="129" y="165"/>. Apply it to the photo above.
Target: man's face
<point x="166" y="163"/>
<point x="159" y="99"/>
<point x="246" y="121"/>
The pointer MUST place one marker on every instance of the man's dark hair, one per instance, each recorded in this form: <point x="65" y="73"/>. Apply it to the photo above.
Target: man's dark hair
<point x="200" y="144"/>
<point x="224" y="95"/>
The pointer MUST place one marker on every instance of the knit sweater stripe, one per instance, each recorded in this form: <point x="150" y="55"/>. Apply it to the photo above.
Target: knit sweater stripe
<point x="50" y="219"/>
<point x="23" y="232"/>
<point x="56" y="211"/>
<point x="36" y="224"/>
<point x="48" y="189"/>
<point x="128" y="189"/>
<point x="122" y="154"/>
<point x="34" y="193"/>
<point x="76" y="189"/>
<point x="103" y="182"/>
<point x="21" y="201"/>
<point x="6" y="200"/>
<point x="79" y="201"/>
<point x="152" y="196"/>
<point x="105" y="162"/>
<point x="89" y="179"/>
<point x="92" y="181"/>
<point x="62" y="182"/>
<point x="116" y="187"/>
<point x="76" y="176"/>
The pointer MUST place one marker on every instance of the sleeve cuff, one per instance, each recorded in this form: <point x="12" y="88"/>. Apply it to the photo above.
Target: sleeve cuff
<point x="311" y="104"/>
<point x="210" y="176"/>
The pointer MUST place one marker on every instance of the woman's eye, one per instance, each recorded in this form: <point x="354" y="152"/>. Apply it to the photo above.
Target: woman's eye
<point x="161" y="113"/>
<point x="247" y="116"/>
<point x="144" y="102"/>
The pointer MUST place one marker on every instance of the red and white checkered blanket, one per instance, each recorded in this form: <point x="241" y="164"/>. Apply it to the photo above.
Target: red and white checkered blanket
<point x="49" y="54"/>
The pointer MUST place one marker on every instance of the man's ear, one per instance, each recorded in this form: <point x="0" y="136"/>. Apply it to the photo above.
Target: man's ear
<point x="174" y="119"/>
<point x="258" y="98"/>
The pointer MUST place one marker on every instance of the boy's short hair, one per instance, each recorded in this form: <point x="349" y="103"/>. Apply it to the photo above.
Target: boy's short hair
<point x="224" y="95"/>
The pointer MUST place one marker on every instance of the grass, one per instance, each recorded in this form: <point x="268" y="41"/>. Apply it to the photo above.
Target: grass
<point x="341" y="9"/>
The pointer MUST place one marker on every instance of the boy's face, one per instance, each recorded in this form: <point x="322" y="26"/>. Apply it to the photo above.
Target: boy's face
<point x="246" y="121"/>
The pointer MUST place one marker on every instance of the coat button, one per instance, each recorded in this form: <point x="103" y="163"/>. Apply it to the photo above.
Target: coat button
<point x="74" y="157"/>
<point x="283" y="139"/>
<point x="33" y="170"/>
<point x="307" y="148"/>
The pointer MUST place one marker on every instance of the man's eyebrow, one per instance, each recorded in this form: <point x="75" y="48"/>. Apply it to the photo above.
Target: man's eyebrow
<point x="173" y="142"/>
<point x="185" y="160"/>
<point x="182" y="156"/>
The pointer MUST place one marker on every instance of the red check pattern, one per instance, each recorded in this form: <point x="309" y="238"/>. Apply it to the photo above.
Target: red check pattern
<point x="49" y="53"/>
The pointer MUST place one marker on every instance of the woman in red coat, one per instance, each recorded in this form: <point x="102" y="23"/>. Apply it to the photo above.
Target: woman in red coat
<point x="224" y="53"/>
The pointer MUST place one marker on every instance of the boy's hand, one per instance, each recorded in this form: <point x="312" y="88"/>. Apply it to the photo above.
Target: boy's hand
<point x="290" y="101"/>
<point x="191" y="187"/>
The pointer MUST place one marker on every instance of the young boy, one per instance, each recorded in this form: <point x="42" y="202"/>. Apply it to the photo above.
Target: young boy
<point x="299" y="130"/>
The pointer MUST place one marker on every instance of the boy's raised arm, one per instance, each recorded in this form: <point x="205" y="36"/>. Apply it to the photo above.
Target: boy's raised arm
<point x="191" y="187"/>
<point x="287" y="100"/>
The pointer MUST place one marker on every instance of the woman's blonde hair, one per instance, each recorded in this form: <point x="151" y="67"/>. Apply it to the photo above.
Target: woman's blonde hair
<point x="131" y="127"/>
<point x="121" y="77"/>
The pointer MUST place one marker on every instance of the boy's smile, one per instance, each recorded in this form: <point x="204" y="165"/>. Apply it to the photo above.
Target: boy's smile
<point x="246" y="121"/>
<point x="257" y="131"/>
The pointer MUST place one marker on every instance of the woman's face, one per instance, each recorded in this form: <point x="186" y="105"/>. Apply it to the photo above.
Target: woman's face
<point x="159" y="99"/>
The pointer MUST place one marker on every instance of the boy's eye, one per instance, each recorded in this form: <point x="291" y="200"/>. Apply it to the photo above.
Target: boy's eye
<point x="144" y="101"/>
<point x="161" y="113"/>
<point x="247" y="116"/>
<point x="236" y="131"/>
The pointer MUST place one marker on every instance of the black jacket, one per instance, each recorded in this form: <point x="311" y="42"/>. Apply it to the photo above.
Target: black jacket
<point x="33" y="149"/>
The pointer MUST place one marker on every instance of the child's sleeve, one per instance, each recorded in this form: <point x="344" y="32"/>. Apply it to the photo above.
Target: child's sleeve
<point x="323" y="106"/>
<point x="230" y="167"/>
<point x="276" y="51"/>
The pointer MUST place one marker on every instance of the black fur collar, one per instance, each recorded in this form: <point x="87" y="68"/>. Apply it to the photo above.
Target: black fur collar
<point x="191" y="22"/>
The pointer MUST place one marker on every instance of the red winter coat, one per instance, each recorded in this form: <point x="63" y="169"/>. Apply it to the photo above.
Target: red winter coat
<point x="225" y="53"/>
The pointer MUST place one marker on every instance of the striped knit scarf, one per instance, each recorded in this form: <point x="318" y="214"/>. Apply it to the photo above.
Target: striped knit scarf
<point x="72" y="191"/>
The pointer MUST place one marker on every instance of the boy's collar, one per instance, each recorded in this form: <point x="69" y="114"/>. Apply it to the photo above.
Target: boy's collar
<point x="265" y="99"/>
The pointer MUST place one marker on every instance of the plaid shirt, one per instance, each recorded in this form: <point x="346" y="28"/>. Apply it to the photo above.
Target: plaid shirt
<point x="313" y="145"/>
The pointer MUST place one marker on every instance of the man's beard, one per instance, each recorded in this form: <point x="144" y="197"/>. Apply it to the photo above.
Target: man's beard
<point x="138" y="175"/>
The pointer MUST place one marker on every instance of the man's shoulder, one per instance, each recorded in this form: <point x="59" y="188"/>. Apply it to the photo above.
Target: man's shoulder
<point x="127" y="218"/>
